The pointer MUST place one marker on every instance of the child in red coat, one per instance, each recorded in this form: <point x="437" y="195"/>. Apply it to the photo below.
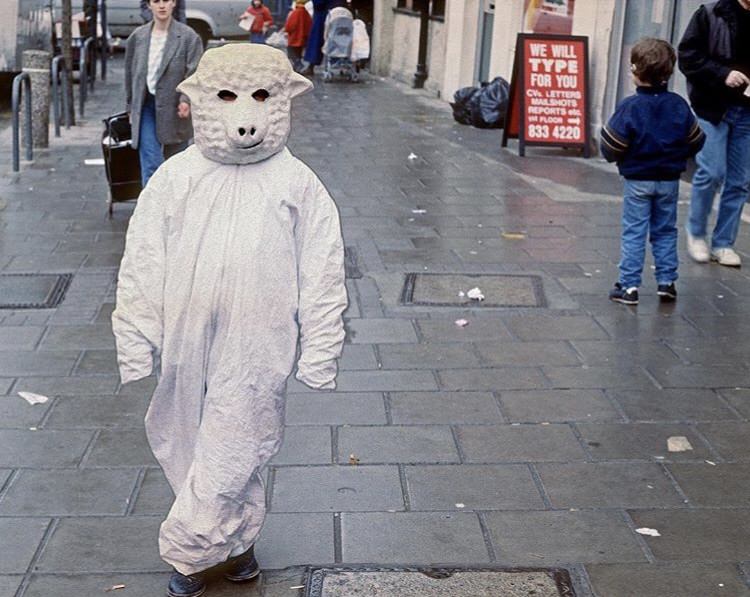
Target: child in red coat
<point x="298" y="26"/>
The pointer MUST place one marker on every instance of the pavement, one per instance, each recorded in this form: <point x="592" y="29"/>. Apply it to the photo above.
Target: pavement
<point x="531" y="437"/>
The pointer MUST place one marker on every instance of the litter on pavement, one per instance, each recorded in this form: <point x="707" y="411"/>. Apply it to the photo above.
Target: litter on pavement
<point x="648" y="531"/>
<point x="678" y="443"/>
<point x="32" y="398"/>
<point x="475" y="294"/>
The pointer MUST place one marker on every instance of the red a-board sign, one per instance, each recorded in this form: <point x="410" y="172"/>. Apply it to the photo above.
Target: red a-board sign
<point x="549" y="92"/>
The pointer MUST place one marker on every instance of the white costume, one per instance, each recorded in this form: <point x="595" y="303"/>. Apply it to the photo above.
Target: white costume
<point x="234" y="246"/>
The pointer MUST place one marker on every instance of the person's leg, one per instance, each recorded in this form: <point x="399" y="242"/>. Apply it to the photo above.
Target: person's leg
<point x="636" y="212"/>
<point x="257" y="38"/>
<point x="708" y="177"/>
<point x="149" y="148"/>
<point x="737" y="183"/>
<point x="663" y="231"/>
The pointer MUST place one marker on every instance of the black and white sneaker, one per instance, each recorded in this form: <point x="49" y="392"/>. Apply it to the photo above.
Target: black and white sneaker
<point x="667" y="292"/>
<point x="626" y="296"/>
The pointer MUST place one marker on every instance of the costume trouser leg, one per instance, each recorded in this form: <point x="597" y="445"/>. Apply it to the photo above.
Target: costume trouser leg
<point x="149" y="148"/>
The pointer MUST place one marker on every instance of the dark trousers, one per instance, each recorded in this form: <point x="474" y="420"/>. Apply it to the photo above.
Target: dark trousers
<point x="295" y="56"/>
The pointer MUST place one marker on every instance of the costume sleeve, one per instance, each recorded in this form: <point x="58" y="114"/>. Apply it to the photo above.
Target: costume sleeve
<point x="137" y="321"/>
<point x="322" y="292"/>
<point x="615" y="136"/>
<point x="694" y="60"/>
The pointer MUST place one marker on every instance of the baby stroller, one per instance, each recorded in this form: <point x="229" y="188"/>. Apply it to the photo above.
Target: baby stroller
<point x="121" y="161"/>
<point x="338" y="45"/>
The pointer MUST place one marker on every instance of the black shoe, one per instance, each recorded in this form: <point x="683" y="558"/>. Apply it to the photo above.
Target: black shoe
<point x="185" y="586"/>
<point x="625" y="296"/>
<point x="243" y="567"/>
<point x="667" y="292"/>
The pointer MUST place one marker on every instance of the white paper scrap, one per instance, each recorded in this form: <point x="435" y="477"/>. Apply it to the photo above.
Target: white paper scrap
<point x="413" y="156"/>
<point x="459" y="505"/>
<point x="475" y="294"/>
<point x="462" y="323"/>
<point x="419" y="211"/>
<point x="648" y="531"/>
<point x="32" y="398"/>
<point x="678" y="443"/>
<point x="94" y="161"/>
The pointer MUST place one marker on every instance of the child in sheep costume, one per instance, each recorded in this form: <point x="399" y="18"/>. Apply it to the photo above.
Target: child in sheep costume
<point x="233" y="253"/>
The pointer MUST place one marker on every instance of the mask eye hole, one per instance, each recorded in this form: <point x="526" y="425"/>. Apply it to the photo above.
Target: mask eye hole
<point x="261" y="95"/>
<point x="226" y="95"/>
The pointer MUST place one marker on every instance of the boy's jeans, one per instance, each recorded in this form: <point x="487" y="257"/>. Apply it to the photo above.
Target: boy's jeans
<point x="725" y="158"/>
<point x="649" y="206"/>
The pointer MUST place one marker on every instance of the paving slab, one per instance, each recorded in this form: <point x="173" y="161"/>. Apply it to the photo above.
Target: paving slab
<point x="155" y="496"/>
<point x="350" y="408"/>
<point x="640" y="441"/>
<point x="689" y="405"/>
<point x="94" y="385"/>
<point x="730" y="439"/>
<point x="98" y="411"/>
<point x="29" y="364"/>
<point x="538" y="406"/>
<point x="68" y="493"/>
<point x="305" y="445"/>
<point x="479" y="328"/>
<point x="471" y="487"/>
<point x="108" y="544"/>
<point x="97" y="362"/>
<point x="19" y="540"/>
<point x="722" y="485"/>
<point x="552" y="538"/>
<point x="43" y="448"/>
<point x="337" y="489"/>
<point x="397" y="444"/>
<point x="622" y="376"/>
<point x="15" y="412"/>
<point x="666" y="580"/>
<point x="377" y="381"/>
<point x="379" y="331"/>
<point x="96" y="585"/>
<point x="419" y="408"/>
<point x="702" y="376"/>
<point x="295" y="539"/>
<point x="544" y="327"/>
<point x="525" y="354"/>
<point x="739" y="399"/>
<point x="81" y="337"/>
<point x="505" y="378"/>
<point x="5" y="385"/>
<point x="127" y="447"/>
<point x="428" y="356"/>
<point x="622" y="350"/>
<point x="358" y="356"/>
<point x="9" y="585"/>
<point x="412" y="538"/>
<point x="691" y="535"/>
<point x="16" y="337"/>
<point x="608" y="485"/>
<point x="643" y="328"/>
<point x="518" y="443"/>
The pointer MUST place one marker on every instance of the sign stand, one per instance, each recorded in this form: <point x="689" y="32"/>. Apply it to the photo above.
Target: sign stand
<point x="549" y="93"/>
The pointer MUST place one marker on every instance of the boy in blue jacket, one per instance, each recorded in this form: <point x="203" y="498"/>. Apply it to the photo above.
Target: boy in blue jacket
<point x="651" y="135"/>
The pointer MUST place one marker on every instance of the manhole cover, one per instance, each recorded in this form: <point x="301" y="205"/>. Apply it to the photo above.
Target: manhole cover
<point x="33" y="291"/>
<point x="451" y="290"/>
<point x="438" y="582"/>
<point x="351" y="263"/>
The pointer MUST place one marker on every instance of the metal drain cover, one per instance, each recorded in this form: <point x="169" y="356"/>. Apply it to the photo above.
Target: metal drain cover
<point x="450" y="290"/>
<point x="33" y="291"/>
<point x="438" y="582"/>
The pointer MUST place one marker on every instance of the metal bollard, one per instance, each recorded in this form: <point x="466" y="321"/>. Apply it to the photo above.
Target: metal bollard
<point x="21" y="79"/>
<point x="104" y="40"/>
<point x="37" y="64"/>
<point x="59" y="99"/>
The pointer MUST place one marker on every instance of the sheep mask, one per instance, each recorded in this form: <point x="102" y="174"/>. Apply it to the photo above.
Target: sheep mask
<point x="240" y="98"/>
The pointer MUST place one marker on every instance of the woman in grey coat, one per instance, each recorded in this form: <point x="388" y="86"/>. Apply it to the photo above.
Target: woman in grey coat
<point x="158" y="56"/>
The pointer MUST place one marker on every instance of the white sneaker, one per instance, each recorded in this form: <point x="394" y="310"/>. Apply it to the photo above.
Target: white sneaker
<point x="697" y="249"/>
<point x="726" y="256"/>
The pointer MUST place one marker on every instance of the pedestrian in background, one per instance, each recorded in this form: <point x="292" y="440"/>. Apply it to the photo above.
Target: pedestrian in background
<point x="262" y="20"/>
<point x="650" y="136"/>
<point x="179" y="12"/>
<point x="715" y="57"/>
<point x="158" y="57"/>
<point x="298" y="25"/>
<point x="314" y="48"/>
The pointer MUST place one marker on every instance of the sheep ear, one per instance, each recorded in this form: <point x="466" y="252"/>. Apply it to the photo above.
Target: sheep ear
<point x="189" y="86"/>
<point x="298" y="85"/>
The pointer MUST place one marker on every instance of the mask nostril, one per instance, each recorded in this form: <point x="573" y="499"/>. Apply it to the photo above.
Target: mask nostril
<point x="252" y="131"/>
<point x="241" y="131"/>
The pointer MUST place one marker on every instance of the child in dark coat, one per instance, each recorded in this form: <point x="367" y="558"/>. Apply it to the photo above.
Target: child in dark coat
<point x="651" y="135"/>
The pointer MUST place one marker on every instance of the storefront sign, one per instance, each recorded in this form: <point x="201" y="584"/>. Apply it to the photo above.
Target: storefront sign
<point x="549" y="92"/>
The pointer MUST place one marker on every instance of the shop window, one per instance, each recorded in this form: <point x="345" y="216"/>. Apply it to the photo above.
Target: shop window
<point x="438" y="6"/>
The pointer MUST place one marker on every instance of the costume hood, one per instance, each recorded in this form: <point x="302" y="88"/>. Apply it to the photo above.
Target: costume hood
<point x="240" y="99"/>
